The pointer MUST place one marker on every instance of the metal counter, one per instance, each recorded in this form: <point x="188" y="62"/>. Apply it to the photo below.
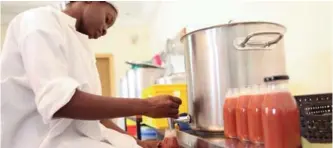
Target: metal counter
<point x="194" y="139"/>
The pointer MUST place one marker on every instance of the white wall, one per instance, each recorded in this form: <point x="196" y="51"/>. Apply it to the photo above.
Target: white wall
<point x="307" y="41"/>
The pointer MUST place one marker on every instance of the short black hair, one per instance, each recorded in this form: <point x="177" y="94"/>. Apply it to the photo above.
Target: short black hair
<point x="113" y="7"/>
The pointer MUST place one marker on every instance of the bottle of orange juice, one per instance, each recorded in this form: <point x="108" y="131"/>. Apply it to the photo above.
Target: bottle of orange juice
<point x="280" y="115"/>
<point x="242" y="114"/>
<point x="254" y="114"/>
<point x="229" y="113"/>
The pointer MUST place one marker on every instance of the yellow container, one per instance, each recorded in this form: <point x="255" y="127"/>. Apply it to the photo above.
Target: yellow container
<point x="130" y="122"/>
<point x="178" y="90"/>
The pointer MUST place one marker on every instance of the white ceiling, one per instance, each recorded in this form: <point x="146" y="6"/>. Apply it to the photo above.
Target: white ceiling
<point x="131" y="13"/>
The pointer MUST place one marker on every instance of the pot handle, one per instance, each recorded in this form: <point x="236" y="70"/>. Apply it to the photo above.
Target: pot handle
<point x="262" y="45"/>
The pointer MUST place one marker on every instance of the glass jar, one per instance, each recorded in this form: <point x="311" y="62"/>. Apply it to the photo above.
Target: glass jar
<point x="280" y="115"/>
<point x="229" y="113"/>
<point x="242" y="114"/>
<point x="254" y="114"/>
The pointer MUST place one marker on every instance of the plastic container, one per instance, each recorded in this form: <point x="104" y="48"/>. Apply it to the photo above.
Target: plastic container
<point x="316" y="117"/>
<point x="229" y="113"/>
<point x="242" y="114"/>
<point x="178" y="90"/>
<point x="280" y="116"/>
<point x="131" y="130"/>
<point x="148" y="133"/>
<point x="256" y="134"/>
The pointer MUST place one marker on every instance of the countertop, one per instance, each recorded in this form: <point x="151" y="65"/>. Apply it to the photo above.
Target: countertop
<point x="192" y="139"/>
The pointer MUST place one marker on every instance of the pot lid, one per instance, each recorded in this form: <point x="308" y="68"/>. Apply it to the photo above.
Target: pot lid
<point x="142" y="65"/>
<point x="230" y="23"/>
<point x="276" y="78"/>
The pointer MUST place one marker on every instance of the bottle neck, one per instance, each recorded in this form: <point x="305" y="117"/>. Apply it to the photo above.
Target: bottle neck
<point x="278" y="85"/>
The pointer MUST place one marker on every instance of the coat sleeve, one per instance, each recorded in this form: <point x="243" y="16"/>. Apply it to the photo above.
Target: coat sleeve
<point x="46" y="66"/>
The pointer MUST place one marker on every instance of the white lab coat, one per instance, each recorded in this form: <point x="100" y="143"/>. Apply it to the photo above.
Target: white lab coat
<point x="43" y="60"/>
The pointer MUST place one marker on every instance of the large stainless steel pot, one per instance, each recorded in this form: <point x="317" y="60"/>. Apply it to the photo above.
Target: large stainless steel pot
<point x="228" y="56"/>
<point x="131" y="83"/>
<point x="142" y="77"/>
<point x="124" y="87"/>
